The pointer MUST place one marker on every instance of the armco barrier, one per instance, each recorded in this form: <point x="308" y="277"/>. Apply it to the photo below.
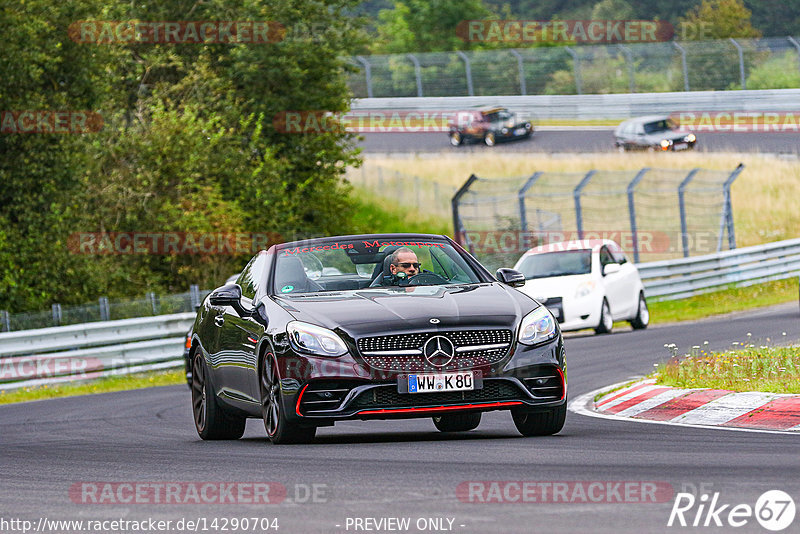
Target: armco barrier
<point x="90" y="350"/>
<point x="609" y="106"/>
<point x="685" y="277"/>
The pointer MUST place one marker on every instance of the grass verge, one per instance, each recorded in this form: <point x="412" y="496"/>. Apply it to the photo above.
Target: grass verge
<point x="101" y="385"/>
<point x="725" y="301"/>
<point x="764" y="368"/>
<point x="377" y="215"/>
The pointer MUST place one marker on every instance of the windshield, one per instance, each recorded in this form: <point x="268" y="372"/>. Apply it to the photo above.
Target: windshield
<point x="339" y="265"/>
<point x="660" y="126"/>
<point x="563" y="263"/>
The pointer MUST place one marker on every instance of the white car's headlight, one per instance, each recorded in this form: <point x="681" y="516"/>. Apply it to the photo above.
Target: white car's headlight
<point x="691" y="138"/>
<point x="584" y="288"/>
<point x="537" y="327"/>
<point x="313" y="339"/>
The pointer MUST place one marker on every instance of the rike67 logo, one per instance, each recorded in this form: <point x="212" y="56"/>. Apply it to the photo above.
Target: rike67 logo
<point x="774" y="510"/>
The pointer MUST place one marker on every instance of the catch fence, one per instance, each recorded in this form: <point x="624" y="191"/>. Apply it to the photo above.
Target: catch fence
<point x="709" y="65"/>
<point x="654" y="214"/>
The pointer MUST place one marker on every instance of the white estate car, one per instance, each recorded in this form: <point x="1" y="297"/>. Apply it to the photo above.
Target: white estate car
<point x="585" y="284"/>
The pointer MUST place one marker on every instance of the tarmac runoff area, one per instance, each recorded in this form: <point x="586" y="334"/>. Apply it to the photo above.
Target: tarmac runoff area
<point x="648" y="402"/>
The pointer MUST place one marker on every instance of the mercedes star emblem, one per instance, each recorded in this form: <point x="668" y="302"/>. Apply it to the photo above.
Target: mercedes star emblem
<point x="439" y="351"/>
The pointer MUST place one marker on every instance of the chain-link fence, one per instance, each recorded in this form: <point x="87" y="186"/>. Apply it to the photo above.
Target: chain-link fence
<point x="768" y="63"/>
<point x="104" y="310"/>
<point x="653" y="214"/>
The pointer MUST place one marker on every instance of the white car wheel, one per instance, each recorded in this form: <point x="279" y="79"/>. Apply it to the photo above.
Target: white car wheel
<point x="642" y="318"/>
<point x="606" y="321"/>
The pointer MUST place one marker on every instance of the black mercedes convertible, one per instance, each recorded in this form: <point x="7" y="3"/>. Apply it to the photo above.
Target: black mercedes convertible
<point x="373" y="327"/>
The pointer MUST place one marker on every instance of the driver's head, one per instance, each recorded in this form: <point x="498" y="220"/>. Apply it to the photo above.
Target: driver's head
<point x="404" y="260"/>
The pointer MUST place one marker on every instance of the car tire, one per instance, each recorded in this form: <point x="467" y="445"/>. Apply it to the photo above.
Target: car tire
<point x="606" y="321"/>
<point x="642" y="318"/>
<point x="279" y="429"/>
<point x="621" y="149"/>
<point x="489" y="139"/>
<point x="461" y="422"/>
<point x="210" y="420"/>
<point x="540" y="423"/>
<point x="456" y="139"/>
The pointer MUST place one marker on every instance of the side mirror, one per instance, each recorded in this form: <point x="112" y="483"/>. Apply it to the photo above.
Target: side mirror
<point x="229" y="295"/>
<point x="611" y="268"/>
<point x="510" y="277"/>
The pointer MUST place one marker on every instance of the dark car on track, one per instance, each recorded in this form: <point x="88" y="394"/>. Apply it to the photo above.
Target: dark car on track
<point x="488" y="125"/>
<point x="326" y="330"/>
<point x="653" y="132"/>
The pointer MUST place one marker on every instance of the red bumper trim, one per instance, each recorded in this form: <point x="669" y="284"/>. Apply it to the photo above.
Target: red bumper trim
<point x="440" y="408"/>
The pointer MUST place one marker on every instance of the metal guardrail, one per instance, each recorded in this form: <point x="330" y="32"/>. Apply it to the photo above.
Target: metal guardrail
<point x="686" y="277"/>
<point x="91" y="350"/>
<point x="607" y="106"/>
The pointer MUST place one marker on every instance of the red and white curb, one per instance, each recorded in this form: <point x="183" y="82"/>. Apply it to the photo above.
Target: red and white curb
<point x="645" y="401"/>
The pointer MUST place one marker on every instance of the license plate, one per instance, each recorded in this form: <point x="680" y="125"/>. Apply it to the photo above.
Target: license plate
<point x="680" y="146"/>
<point x="435" y="383"/>
<point x="519" y="131"/>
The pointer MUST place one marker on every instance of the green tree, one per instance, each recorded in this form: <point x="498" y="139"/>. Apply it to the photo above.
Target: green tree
<point x="613" y="10"/>
<point x="427" y="25"/>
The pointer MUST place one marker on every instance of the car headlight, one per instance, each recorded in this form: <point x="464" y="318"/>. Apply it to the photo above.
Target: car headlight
<point x="537" y="327"/>
<point x="665" y="143"/>
<point x="527" y="126"/>
<point x="313" y="339"/>
<point x="584" y="288"/>
<point x="504" y="130"/>
<point x="691" y="138"/>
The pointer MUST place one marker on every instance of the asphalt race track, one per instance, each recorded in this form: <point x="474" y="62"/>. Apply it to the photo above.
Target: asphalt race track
<point x="575" y="140"/>
<point x="406" y="469"/>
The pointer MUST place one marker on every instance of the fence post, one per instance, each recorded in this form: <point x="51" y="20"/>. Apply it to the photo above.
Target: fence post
<point x="367" y="73"/>
<point x="629" y="62"/>
<point x="105" y="314"/>
<point x="467" y="72"/>
<point x="5" y="321"/>
<point x="684" y="67"/>
<point x="576" y="69"/>
<point x="576" y="193"/>
<point x="523" y="215"/>
<point x="194" y="296"/>
<point x="682" y="210"/>
<point x="417" y="72"/>
<point x="521" y="68"/>
<point x="151" y="298"/>
<point x="457" y="226"/>
<point x="741" y="62"/>
<point x="795" y="44"/>
<point x="56" y="309"/>
<point x="632" y="212"/>
<point x="727" y="210"/>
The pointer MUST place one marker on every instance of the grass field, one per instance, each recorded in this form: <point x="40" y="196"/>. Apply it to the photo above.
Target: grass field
<point x="763" y="197"/>
<point x="744" y="368"/>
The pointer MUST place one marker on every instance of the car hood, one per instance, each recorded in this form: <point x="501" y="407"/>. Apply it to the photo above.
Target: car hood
<point x="669" y="135"/>
<point x="388" y="310"/>
<point x="556" y="286"/>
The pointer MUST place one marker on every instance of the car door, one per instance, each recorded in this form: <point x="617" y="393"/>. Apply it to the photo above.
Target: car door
<point x="631" y="281"/>
<point x="239" y="333"/>
<point x="613" y="284"/>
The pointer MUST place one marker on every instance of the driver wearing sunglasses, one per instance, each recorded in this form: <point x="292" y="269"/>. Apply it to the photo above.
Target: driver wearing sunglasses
<point x="404" y="260"/>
